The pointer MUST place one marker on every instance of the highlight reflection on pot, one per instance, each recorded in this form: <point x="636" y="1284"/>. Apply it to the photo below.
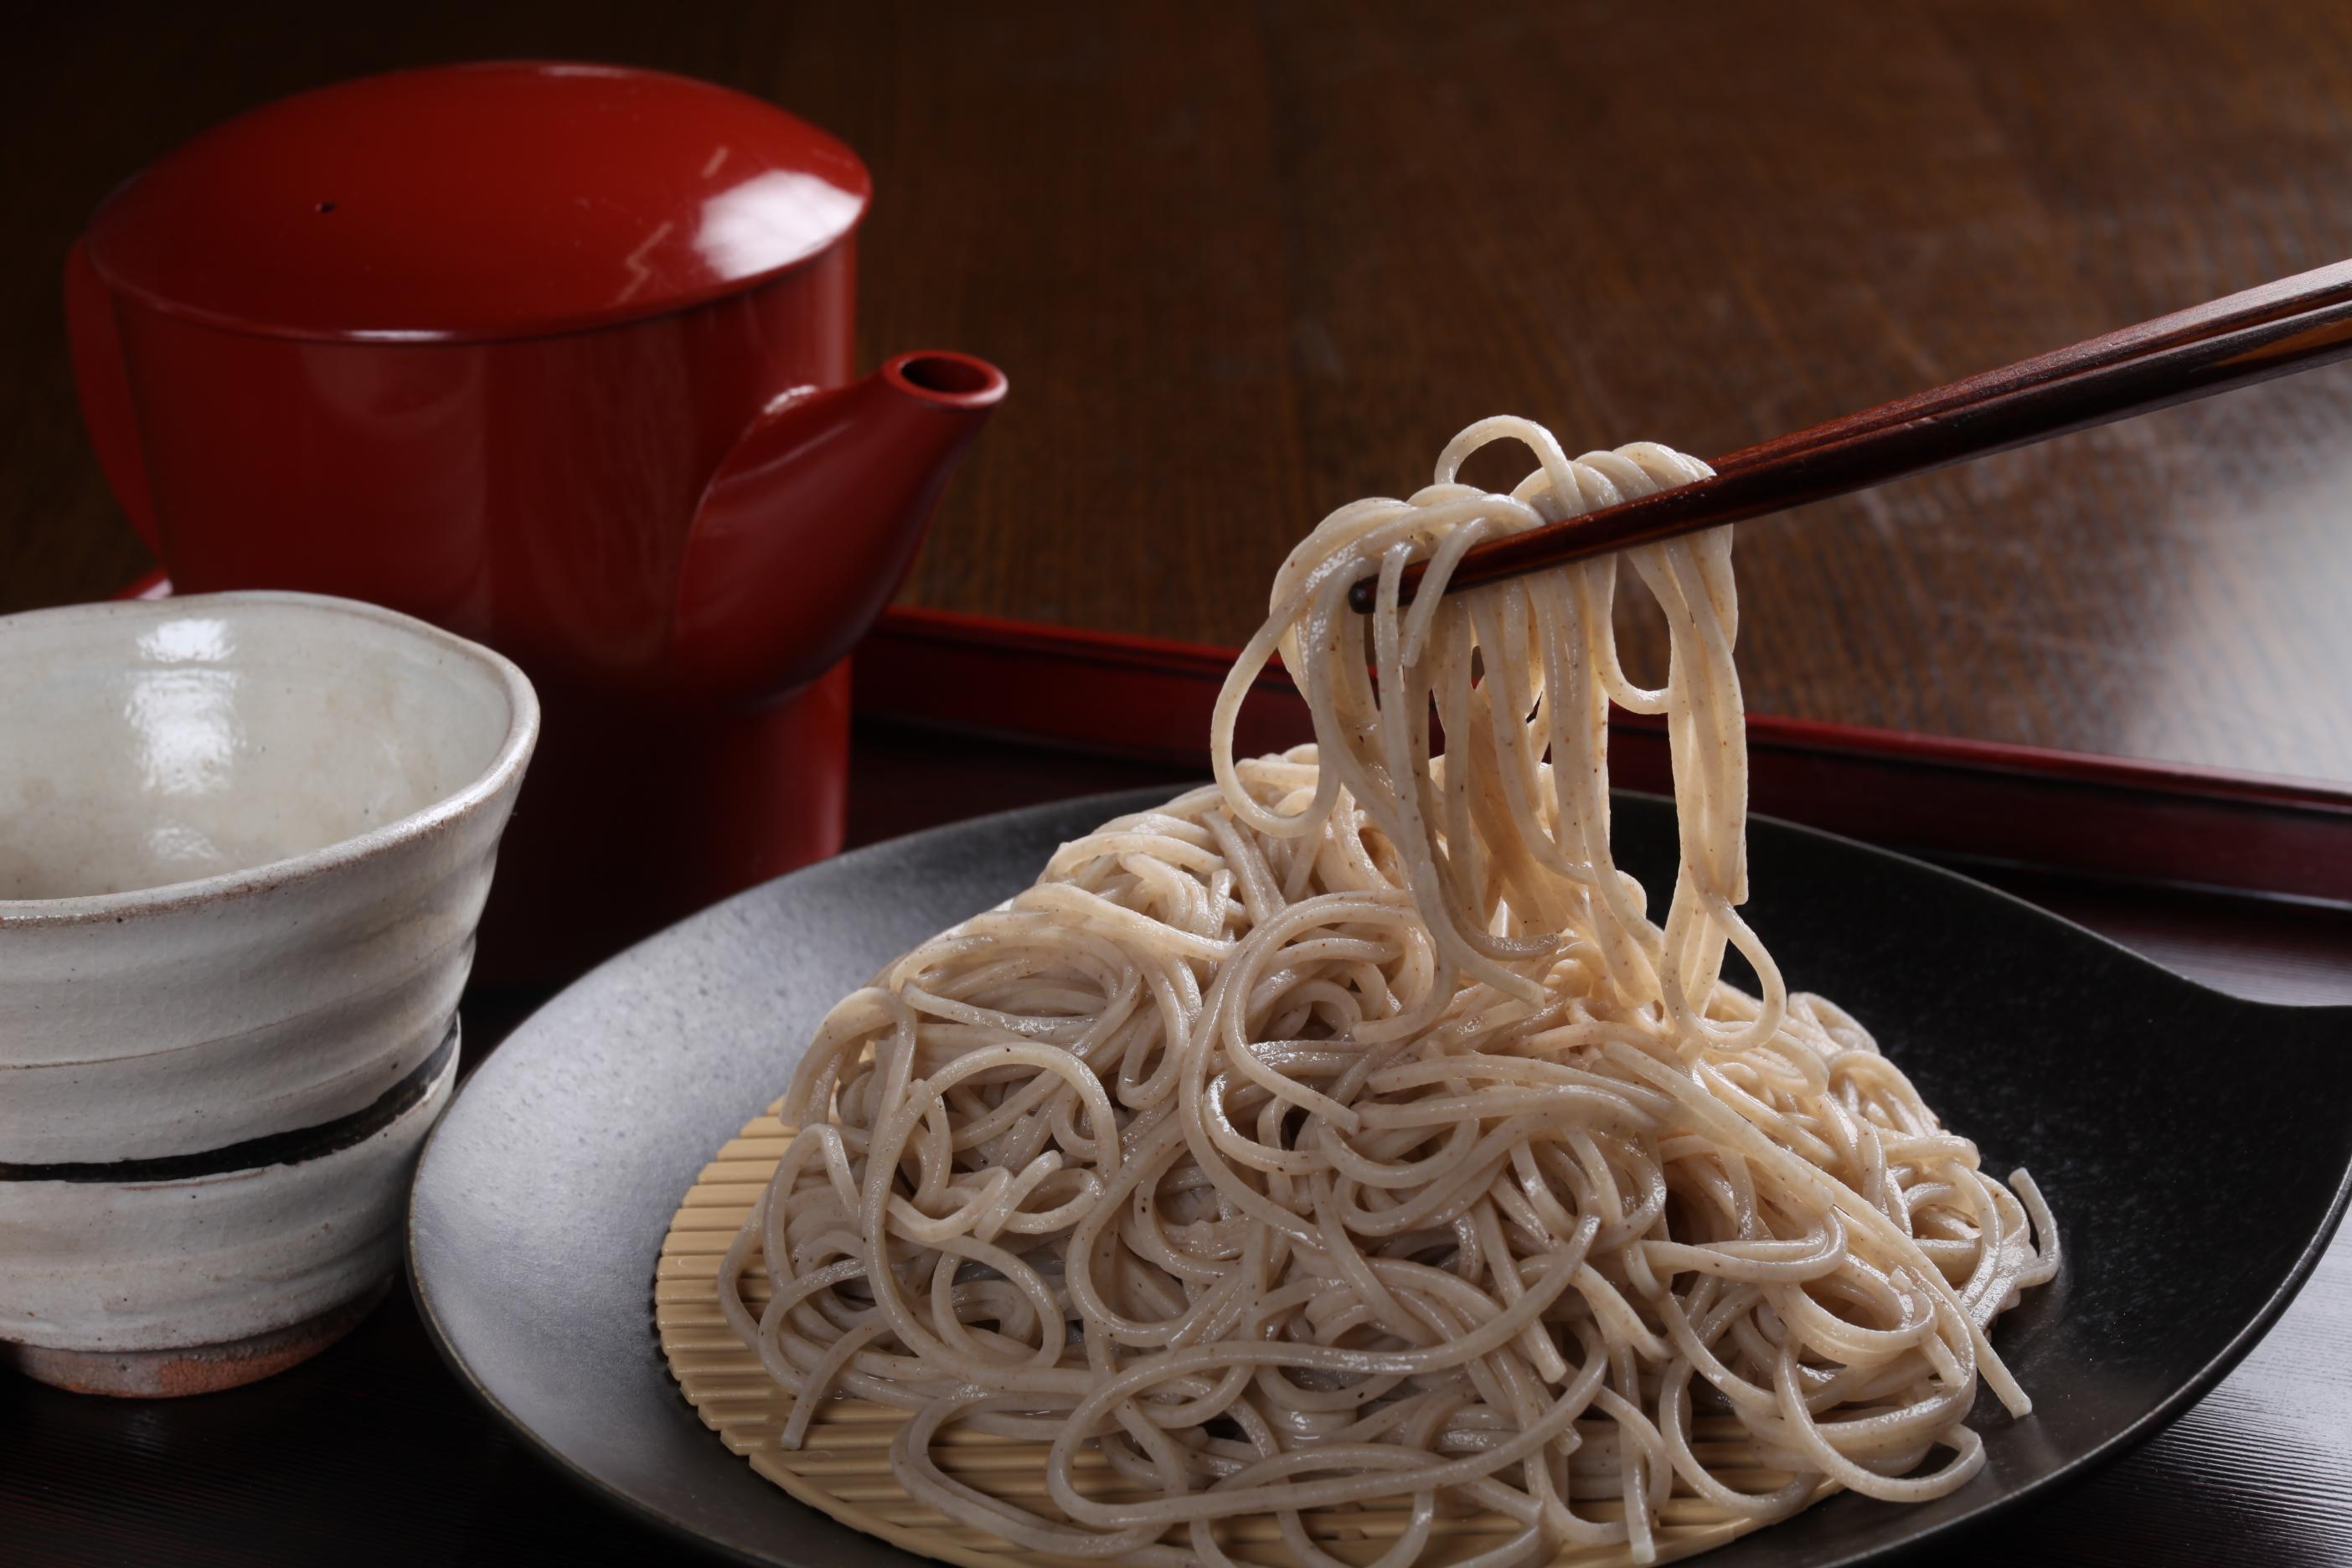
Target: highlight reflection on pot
<point x="592" y="404"/>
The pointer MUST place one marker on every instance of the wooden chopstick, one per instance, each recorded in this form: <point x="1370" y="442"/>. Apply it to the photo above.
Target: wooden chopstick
<point x="2275" y="330"/>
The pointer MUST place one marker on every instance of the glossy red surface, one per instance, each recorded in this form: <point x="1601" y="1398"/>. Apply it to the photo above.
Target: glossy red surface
<point x="685" y="808"/>
<point x="677" y="523"/>
<point x="535" y="493"/>
<point x="865" y="464"/>
<point x="487" y="200"/>
<point x="1107" y="695"/>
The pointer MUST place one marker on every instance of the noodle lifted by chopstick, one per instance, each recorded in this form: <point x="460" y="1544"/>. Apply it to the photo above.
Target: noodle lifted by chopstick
<point x="1346" y="1129"/>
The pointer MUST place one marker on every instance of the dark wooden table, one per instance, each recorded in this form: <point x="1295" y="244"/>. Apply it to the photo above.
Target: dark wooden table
<point x="1247" y="262"/>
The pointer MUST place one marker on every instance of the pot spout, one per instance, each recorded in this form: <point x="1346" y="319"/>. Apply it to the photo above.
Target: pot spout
<point x="813" y="517"/>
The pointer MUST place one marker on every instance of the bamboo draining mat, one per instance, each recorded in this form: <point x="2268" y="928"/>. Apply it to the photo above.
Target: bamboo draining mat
<point x="844" y="1468"/>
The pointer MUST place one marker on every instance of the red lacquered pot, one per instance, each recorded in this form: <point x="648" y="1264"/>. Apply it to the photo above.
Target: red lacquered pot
<point x="556" y="357"/>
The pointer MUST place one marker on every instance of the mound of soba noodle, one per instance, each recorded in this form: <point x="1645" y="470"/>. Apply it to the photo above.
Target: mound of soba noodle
<point x="1347" y="1129"/>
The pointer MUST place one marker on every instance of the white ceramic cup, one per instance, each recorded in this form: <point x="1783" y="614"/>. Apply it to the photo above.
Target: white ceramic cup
<point x="244" y="842"/>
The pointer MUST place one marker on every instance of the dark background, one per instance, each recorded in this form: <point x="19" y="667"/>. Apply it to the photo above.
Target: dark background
<point x="1244" y="262"/>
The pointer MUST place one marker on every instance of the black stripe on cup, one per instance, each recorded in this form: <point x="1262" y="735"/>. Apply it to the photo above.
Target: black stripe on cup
<point x="275" y="1149"/>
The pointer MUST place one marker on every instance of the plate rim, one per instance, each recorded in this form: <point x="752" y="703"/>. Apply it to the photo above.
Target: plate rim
<point x="1119" y="802"/>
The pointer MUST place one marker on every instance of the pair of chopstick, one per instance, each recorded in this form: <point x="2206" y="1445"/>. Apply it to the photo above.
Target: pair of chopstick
<point x="2275" y="329"/>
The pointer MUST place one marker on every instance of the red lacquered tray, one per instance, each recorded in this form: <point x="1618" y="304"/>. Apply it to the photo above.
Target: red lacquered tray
<point x="2240" y="881"/>
<point x="1098" y="693"/>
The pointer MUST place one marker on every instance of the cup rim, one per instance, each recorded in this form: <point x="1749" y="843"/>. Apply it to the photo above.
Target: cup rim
<point x="167" y="898"/>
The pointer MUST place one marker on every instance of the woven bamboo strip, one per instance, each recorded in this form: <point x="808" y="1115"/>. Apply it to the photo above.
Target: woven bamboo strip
<point x="843" y="1470"/>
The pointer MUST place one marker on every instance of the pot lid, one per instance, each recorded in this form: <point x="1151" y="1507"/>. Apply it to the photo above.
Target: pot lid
<point x="502" y="199"/>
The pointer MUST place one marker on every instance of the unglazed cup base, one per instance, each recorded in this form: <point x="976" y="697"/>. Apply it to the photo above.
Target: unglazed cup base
<point x="192" y="1368"/>
<point x="245" y="840"/>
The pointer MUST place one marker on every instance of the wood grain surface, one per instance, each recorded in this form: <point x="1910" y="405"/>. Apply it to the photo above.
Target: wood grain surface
<point x="1246" y="262"/>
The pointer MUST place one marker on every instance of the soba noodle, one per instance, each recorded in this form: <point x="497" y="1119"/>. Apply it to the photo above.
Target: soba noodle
<point x="1346" y="1129"/>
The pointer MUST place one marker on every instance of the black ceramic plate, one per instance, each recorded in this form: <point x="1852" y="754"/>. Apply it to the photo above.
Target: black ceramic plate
<point x="2195" y="1148"/>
